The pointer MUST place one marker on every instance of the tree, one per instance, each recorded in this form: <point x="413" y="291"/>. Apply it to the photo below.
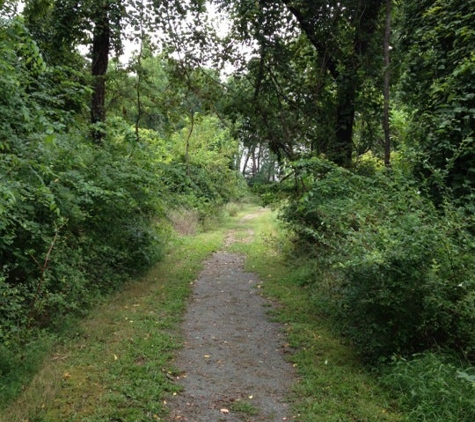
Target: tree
<point x="8" y="7"/>
<point x="342" y="35"/>
<point x="63" y="25"/>
<point x="99" y="63"/>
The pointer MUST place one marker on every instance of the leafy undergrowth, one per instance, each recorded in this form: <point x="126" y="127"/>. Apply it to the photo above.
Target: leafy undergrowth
<point x="117" y="367"/>
<point x="333" y="384"/>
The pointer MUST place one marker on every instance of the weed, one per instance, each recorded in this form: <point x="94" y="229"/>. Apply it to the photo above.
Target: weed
<point x="232" y="209"/>
<point x="184" y="221"/>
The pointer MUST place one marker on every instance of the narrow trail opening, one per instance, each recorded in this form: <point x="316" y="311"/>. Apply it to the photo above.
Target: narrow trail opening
<point x="232" y="366"/>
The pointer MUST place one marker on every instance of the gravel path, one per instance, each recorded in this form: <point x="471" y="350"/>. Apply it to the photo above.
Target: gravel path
<point x="232" y="364"/>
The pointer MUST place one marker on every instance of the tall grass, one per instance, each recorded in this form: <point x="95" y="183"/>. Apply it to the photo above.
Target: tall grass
<point x="433" y="387"/>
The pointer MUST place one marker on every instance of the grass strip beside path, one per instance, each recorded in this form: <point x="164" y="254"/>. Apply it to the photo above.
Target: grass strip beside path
<point x="333" y="385"/>
<point x="117" y="368"/>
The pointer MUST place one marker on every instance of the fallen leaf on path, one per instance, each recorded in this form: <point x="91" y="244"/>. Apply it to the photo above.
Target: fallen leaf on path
<point x="224" y="410"/>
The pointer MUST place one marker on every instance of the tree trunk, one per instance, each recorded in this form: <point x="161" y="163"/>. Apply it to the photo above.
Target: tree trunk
<point x="341" y="151"/>
<point x="100" y="62"/>
<point x="246" y="160"/>
<point x="342" y="66"/>
<point x="387" y="81"/>
<point x="254" y="162"/>
<point x="187" y="145"/>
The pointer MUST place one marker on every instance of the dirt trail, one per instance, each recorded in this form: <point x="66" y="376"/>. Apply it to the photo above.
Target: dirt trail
<point x="232" y="364"/>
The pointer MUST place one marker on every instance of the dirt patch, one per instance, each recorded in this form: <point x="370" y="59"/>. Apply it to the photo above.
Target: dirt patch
<point x="232" y="366"/>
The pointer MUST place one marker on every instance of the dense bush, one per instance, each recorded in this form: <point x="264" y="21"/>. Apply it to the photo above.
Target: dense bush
<point x="202" y="174"/>
<point x="405" y="269"/>
<point x="437" y="42"/>
<point x="75" y="218"/>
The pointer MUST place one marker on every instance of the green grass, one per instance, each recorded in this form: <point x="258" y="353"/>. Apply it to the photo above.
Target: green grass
<point x="333" y="384"/>
<point x="18" y="367"/>
<point x="433" y="387"/>
<point x="118" y="366"/>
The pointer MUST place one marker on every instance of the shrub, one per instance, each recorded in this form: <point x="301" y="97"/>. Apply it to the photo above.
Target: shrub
<point x="405" y="269"/>
<point x="75" y="221"/>
<point x="232" y="209"/>
<point x="408" y="282"/>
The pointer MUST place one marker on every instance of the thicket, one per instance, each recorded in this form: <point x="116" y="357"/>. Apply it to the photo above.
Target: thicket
<point x="78" y="217"/>
<point x="402" y="267"/>
<point x="395" y="273"/>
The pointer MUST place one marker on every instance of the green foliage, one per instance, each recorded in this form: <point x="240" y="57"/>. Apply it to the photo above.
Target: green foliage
<point x="201" y="174"/>
<point x="74" y="219"/>
<point x="77" y="219"/>
<point x="408" y="283"/>
<point x="141" y="94"/>
<point x="326" y="188"/>
<point x="80" y="220"/>
<point x="404" y="269"/>
<point x="314" y="69"/>
<point x="432" y="388"/>
<point x="438" y="41"/>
